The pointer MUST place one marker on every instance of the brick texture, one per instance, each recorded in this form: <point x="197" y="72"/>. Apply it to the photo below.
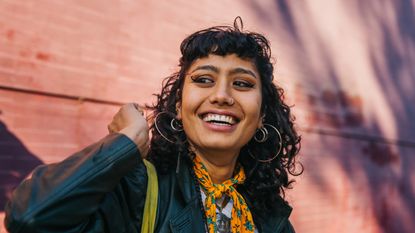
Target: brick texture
<point x="346" y="67"/>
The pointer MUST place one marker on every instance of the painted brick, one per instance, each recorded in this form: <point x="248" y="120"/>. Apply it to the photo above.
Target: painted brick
<point x="341" y="62"/>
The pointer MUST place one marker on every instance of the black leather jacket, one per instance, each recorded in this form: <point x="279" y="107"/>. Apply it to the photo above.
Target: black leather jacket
<point x="102" y="189"/>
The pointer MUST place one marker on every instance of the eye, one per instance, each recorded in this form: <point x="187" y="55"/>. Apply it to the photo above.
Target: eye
<point x="243" y="84"/>
<point x="202" y="79"/>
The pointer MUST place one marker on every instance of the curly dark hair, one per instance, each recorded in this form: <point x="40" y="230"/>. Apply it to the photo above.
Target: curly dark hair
<point x="265" y="182"/>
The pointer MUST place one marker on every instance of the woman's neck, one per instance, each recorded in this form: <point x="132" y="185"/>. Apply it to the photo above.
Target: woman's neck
<point x="220" y="165"/>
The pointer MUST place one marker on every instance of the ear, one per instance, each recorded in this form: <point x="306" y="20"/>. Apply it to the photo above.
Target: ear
<point x="261" y="121"/>
<point x="179" y="111"/>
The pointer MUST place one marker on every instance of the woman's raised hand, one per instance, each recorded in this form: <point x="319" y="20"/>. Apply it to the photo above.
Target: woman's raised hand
<point x="130" y="121"/>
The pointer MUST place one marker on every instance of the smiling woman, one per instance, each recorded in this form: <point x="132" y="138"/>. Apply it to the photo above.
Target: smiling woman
<point x="220" y="107"/>
<point x="223" y="145"/>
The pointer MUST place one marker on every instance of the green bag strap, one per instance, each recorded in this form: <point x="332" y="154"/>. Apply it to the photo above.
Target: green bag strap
<point x="150" y="206"/>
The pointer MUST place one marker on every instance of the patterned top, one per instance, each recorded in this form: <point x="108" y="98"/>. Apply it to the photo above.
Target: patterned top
<point x="226" y="210"/>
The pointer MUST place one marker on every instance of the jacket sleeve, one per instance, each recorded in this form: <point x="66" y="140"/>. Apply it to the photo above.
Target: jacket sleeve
<point x="80" y="193"/>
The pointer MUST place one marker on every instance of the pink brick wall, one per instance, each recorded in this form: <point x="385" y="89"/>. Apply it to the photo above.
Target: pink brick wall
<point x="347" y="66"/>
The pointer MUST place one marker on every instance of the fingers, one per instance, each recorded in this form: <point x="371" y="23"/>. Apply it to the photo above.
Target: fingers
<point x="112" y="128"/>
<point x="130" y="121"/>
<point x="124" y="117"/>
<point x="139" y="108"/>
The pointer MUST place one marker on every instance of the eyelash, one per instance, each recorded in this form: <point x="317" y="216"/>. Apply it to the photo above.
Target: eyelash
<point x="244" y="84"/>
<point x="207" y="80"/>
<point x="201" y="79"/>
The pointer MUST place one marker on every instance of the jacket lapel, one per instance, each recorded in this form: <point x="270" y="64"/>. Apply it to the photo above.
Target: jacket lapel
<point x="185" y="180"/>
<point x="274" y="223"/>
<point x="190" y="218"/>
<point x="269" y="223"/>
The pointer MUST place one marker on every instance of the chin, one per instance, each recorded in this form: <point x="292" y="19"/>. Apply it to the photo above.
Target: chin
<point x="220" y="145"/>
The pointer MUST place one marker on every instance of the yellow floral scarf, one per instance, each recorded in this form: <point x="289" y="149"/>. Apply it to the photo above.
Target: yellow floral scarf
<point x="241" y="220"/>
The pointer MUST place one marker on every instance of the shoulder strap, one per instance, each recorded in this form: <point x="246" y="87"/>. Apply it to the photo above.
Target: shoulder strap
<point x="150" y="206"/>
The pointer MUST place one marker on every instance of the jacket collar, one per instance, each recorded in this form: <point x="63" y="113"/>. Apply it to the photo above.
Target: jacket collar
<point x="189" y="218"/>
<point x="184" y="179"/>
<point x="274" y="222"/>
<point x="264" y="222"/>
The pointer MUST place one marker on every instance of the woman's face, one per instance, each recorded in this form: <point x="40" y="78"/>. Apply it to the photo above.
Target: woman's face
<point x="221" y="102"/>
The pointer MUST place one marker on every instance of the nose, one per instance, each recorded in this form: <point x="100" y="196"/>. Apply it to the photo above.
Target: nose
<point x="221" y="95"/>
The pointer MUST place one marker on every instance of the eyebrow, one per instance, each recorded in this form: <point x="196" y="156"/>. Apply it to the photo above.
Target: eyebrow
<point x="238" y="70"/>
<point x="242" y="71"/>
<point x="207" y="67"/>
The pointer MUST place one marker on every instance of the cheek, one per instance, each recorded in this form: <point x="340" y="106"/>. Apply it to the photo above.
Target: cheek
<point x="253" y="106"/>
<point x="186" y="102"/>
<point x="191" y="100"/>
<point x="186" y="97"/>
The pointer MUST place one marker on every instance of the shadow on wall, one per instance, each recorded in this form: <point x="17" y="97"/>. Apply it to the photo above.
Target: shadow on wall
<point x="16" y="163"/>
<point x="374" y="130"/>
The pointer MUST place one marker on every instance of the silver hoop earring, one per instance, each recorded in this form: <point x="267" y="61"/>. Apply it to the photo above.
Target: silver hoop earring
<point x="266" y="135"/>
<point x="171" y="124"/>
<point x="178" y="127"/>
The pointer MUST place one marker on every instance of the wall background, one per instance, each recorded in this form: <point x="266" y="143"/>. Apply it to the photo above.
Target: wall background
<point x="347" y="68"/>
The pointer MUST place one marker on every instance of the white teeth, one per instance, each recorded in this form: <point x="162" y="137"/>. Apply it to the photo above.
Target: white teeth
<point x="219" y="118"/>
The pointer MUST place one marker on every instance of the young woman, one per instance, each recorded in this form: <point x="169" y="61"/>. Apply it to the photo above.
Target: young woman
<point x="223" y="145"/>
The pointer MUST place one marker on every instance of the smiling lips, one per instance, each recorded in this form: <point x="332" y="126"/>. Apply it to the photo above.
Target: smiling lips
<point x="219" y="119"/>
